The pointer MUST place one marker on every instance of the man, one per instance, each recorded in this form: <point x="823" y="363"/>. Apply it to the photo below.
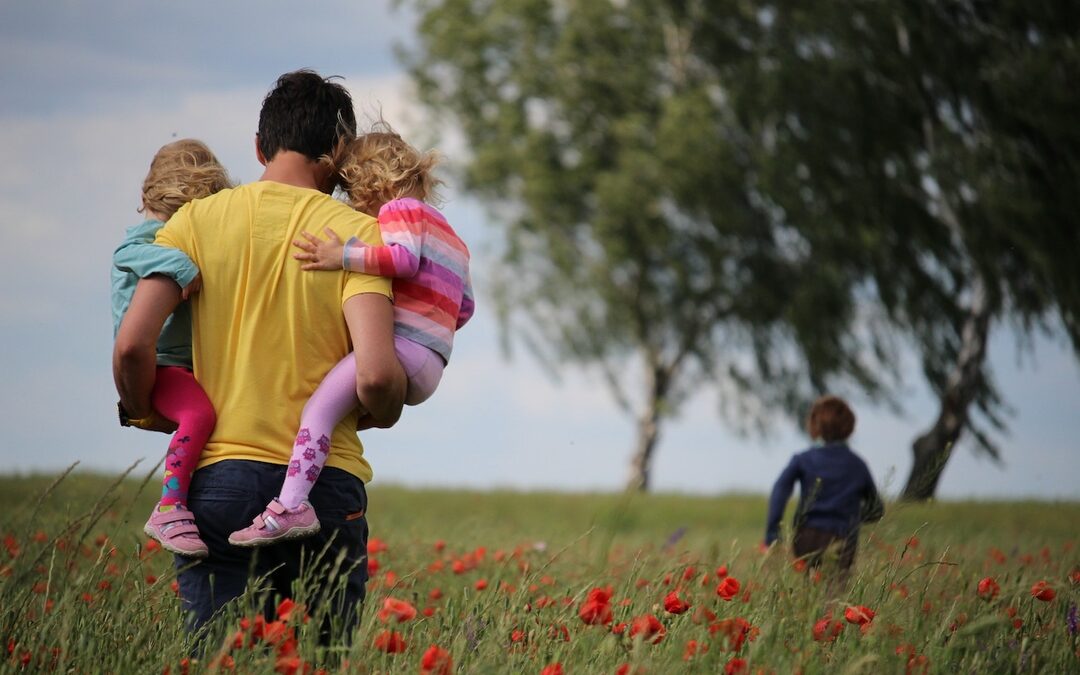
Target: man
<point x="264" y="334"/>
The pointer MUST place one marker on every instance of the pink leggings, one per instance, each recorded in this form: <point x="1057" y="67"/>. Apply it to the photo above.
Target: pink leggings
<point x="178" y="397"/>
<point x="335" y="398"/>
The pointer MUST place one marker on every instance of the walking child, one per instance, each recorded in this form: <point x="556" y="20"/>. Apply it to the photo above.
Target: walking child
<point x="384" y="177"/>
<point x="180" y="172"/>
<point x="836" y="490"/>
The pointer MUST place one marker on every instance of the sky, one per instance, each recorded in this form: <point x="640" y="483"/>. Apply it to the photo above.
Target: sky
<point x="91" y="90"/>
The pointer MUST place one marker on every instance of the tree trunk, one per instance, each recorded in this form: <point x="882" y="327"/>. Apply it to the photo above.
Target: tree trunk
<point x="648" y="428"/>
<point x="934" y="447"/>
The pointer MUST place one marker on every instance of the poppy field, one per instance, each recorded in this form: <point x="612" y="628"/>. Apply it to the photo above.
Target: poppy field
<point x="547" y="583"/>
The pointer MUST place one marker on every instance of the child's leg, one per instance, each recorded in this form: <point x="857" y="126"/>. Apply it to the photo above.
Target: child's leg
<point x="335" y="398"/>
<point x="423" y="368"/>
<point x="178" y="397"/>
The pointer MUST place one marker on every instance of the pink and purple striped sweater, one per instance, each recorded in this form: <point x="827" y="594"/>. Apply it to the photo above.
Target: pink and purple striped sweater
<point x="430" y="267"/>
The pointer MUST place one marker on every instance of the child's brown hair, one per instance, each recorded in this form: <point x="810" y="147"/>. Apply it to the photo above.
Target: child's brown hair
<point x="180" y="172"/>
<point x="830" y="419"/>
<point x="379" y="166"/>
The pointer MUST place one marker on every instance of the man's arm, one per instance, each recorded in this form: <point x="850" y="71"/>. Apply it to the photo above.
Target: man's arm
<point x="135" y="350"/>
<point x="380" y="380"/>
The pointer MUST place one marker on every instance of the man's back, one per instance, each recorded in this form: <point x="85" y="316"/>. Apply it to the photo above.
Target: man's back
<point x="264" y="331"/>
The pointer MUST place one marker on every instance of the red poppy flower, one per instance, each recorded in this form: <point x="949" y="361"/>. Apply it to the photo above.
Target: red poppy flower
<point x="619" y="628"/>
<point x="799" y="565"/>
<point x="693" y="648"/>
<point x="390" y="642"/>
<point x="736" y="667"/>
<point x="396" y="609"/>
<point x="1042" y="591"/>
<point x="552" y="669"/>
<point x="826" y="630"/>
<point x="480" y="584"/>
<point x="649" y="628"/>
<point x="596" y="610"/>
<point x="728" y="588"/>
<point x="673" y="604"/>
<point x="436" y="661"/>
<point x="859" y="614"/>
<point x="988" y="588"/>
<point x="375" y="546"/>
<point x="734" y="632"/>
<point x="721" y="572"/>
<point x="435" y="594"/>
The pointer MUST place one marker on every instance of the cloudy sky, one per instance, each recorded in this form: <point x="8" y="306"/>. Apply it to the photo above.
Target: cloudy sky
<point x="91" y="90"/>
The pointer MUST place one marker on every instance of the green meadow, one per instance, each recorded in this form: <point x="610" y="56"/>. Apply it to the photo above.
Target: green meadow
<point x="501" y="582"/>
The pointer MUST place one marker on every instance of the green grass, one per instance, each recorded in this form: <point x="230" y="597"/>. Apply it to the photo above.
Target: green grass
<point x="80" y="591"/>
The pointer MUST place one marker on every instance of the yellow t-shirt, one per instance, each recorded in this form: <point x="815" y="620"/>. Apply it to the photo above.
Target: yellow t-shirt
<point x="264" y="332"/>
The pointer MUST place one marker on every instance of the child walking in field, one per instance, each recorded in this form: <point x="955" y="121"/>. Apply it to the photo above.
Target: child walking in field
<point x="386" y="178"/>
<point x="180" y="172"/>
<point x="836" y="490"/>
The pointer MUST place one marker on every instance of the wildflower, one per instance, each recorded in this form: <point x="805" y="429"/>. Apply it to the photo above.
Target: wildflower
<point x="552" y="669"/>
<point x="458" y="567"/>
<point x="151" y="579"/>
<point x="428" y="611"/>
<point x="435" y="594"/>
<point x="728" y="588"/>
<point x="721" y="572"/>
<point x="40" y="537"/>
<point x="480" y="584"/>
<point x="518" y="635"/>
<point x="689" y="573"/>
<point x="673" y="604"/>
<point x="826" y="630"/>
<point x="439" y="545"/>
<point x="988" y="588"/>
<point x="376" y="546"/>
<point x="693" y="648"/>
<point x="649" y="628"/>
<point x="559" y="631"/>
<point x="799" y="565"/>
<point x="859" y="614"/>
<point x="596" y="610"/>
<point x="390" y="642"/>
<point x="400" y="610"/>
<point x="736" y="666"/>
<point x="372" y="566"/>
<point x="619" y="628"/>
<point x="436" y="661"/>
<point x="1070" y="620"/>
<point x="735" y="632"/>
<point x="1042" y="591"/>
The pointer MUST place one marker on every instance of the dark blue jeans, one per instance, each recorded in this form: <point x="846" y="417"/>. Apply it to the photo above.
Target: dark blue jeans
<point x="226" y="496"/>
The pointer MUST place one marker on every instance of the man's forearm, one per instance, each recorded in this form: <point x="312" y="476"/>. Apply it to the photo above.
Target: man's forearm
<point x="134" y="371"/>
<point x="383" y="399"/>
<point x="135" y="351"/>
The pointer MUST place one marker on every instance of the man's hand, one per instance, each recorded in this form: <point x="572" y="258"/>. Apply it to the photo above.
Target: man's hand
<point x="322" y="255"/>
<point x="194" y="287"/>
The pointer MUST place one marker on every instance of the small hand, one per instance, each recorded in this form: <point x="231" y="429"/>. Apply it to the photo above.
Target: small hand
<point x="322" y="255"/>
<point x="154" y="422"/>
<point x="194" y="287"/>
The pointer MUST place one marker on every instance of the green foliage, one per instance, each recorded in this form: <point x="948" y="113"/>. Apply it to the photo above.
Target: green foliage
<point x="769" y="198"/>
<point x="82" y="593"/>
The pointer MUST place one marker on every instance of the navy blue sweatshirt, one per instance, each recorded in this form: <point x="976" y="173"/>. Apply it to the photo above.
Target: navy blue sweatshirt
<point x="836" y="491"/>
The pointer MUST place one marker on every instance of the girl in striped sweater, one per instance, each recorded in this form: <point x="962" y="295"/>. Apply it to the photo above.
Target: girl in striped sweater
<point x="387" y="178"/>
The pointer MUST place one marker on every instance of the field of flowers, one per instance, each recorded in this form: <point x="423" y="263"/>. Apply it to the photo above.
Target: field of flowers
<point x="466" y="582"/>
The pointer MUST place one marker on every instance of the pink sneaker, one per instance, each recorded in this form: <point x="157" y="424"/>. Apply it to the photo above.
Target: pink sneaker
<point x="176" y="532"/>
<point x="277" y="523"/>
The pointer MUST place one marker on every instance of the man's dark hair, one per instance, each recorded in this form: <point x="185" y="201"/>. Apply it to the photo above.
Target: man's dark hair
<point x="305" y="113"/>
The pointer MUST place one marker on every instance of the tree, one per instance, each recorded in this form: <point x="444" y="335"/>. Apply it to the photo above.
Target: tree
<point x="636" y="238"/>
<point x="767" y="198"/>
<point x="941" y="130"/>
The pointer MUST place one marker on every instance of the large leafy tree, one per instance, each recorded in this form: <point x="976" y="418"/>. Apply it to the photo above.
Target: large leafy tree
<point x="636" y="241"/>
<point x="755" y="195"/>
<point x="943" y="132"/>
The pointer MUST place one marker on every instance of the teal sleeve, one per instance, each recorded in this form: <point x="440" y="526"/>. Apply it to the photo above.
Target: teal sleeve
<point x="143" y="259"/>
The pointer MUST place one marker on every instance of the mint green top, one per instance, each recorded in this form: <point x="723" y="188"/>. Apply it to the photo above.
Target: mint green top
<point x="137" y="258"/>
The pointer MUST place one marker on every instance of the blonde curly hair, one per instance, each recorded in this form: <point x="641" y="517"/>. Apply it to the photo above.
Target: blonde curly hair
<point x="180" y="172"/>
<point x="379" y="166"/>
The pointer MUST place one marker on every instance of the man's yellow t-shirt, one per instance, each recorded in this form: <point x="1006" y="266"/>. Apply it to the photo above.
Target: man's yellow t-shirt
<point x="265" y="332"/>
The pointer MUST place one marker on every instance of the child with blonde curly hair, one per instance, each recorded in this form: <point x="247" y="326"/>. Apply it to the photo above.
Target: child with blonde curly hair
<point x="180" y="172"/>
<point x="386" y="178"/>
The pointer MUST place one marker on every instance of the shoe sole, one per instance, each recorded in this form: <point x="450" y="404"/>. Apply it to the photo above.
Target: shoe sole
<point x="294" y="533"/>
<point x="173" y="549"/>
